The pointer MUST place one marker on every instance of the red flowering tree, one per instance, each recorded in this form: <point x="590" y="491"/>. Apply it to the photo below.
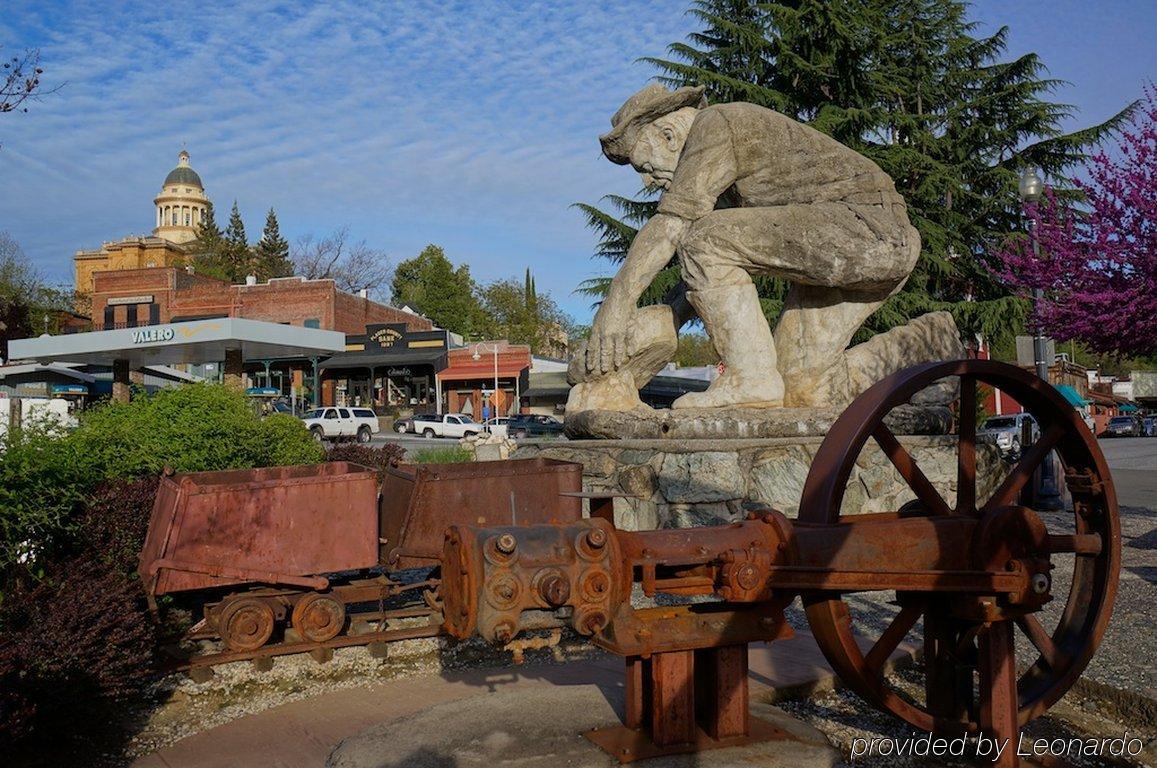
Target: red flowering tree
<point x="1097" y="263"/>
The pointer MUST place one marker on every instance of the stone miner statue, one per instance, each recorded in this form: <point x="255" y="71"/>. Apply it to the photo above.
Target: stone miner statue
<point x="748" y="191"/>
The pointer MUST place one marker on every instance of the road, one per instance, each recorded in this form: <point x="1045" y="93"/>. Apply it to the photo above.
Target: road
<point x="413" y="443"/>
<point x="1133" y="464"/>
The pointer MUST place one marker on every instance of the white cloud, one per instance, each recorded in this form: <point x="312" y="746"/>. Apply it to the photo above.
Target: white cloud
<point x="469" y="124"/>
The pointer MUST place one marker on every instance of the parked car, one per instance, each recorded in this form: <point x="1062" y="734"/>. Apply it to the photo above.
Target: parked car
<point x="402" y="426"/>
<point x="1007" y="431"/>
<point x="1123" y="426"/>
<point x="335" y="424"/>
<point x="498" y="425"/>
<point x="446" y="425"/>
<point x="1151" y="426"/>
<point x="533" y="425"/>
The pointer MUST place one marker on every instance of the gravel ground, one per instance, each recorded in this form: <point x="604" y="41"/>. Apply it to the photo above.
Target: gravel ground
<point x="843" y="717"/>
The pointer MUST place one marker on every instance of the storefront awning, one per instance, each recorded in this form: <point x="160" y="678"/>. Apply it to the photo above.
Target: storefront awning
<point x="1074" y="397"/>
<point x="382" y="359"/>
<point x="483" y="369"/>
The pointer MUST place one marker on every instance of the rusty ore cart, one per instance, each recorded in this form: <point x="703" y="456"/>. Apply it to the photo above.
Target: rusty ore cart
<point x="302" y="559"/>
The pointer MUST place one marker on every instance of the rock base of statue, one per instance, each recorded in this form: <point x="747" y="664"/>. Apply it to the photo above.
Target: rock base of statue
<point x="678" y="482"/>
<point x="742" y="423"/>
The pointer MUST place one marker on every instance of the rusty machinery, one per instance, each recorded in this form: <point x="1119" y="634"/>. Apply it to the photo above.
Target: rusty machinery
<point x="966" y="576"/>
<point x="304" y="559"/>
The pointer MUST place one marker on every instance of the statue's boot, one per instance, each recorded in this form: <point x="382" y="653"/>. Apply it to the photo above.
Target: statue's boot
<point x="739" y="331"/>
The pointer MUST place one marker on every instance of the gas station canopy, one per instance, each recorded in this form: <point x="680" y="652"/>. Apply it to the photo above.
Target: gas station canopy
<point x="195" y="342"/>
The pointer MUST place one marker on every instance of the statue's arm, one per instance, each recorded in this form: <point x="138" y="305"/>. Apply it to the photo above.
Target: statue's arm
<point x="609" y="345"/>
<point x="652" y="249"/>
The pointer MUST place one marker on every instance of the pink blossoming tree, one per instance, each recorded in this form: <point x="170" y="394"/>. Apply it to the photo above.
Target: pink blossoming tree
<point x="1098" y="257"/>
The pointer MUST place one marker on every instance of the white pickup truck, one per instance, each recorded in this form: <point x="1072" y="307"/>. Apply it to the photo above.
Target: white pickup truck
<point x="359" y="424"/>
<point x="445" y="425"/>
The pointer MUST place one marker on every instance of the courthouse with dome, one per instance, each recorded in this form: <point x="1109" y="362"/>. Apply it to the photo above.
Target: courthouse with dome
<point x="180" y="209"/>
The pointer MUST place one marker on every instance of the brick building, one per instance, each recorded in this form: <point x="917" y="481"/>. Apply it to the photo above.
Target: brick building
<point x="467" y="383"/>
<point x="130" y="298"/>
<point x="133" y="297"/>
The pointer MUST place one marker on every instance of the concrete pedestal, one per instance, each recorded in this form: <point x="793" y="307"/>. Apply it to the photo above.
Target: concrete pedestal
<point x="544" y="729"/>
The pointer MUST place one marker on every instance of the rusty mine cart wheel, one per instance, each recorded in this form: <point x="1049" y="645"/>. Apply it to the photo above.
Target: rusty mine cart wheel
<point x="246" y="623"/>
<point x="318" y="618"/>
<point x="1088" y="532"/>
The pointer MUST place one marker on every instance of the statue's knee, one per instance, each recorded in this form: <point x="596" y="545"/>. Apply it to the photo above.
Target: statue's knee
<point x="699" y="257"/>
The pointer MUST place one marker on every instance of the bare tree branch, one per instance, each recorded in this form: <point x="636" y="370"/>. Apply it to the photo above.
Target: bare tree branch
<point x="20" y="81"/>
<point x="352" y="266"/>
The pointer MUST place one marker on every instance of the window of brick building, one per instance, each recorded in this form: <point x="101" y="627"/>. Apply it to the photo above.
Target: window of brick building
<point x="312" y="322"/>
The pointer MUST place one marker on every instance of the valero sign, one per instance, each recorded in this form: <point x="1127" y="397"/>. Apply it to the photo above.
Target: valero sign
<point x="146" y="335"/>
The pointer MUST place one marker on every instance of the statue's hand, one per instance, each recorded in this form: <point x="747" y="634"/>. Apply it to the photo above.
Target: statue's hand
<point x="610" y="344"/>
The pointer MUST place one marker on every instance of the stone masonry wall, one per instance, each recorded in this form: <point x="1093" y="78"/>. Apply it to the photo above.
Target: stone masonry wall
<point x="703" y="482"/>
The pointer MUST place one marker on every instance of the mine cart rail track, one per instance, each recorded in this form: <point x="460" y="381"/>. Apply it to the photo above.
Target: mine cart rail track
<point x="203" y="662"/>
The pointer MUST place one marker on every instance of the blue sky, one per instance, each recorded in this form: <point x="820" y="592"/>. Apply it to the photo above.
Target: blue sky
<point x="469" y="124"/>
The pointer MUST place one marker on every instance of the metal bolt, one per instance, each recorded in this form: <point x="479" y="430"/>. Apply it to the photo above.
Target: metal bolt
<point x="1040" y="583"/>
<point x="596" y="538"/>
<point x="554" y="589"/>
<point x="504" y="632"/>
<point x="506" y="543"/>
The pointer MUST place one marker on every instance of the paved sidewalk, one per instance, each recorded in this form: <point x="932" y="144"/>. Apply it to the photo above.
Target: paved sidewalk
<point x="302" y="734"/>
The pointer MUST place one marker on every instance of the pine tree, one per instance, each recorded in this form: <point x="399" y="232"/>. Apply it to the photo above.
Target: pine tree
<point x="208" y="250"/>
<point x="238" y="255"/>
<point x="906" y="83"/>
<point x="271" y="254"/>
<point x="442" y="292"/>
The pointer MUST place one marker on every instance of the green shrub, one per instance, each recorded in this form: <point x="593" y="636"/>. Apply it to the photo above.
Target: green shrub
<point x="287" y="441"/>
<point x="192" y="428"/>
<point x="42" y="486"/>
<point x="453" y="455"/>
<point x="46" y="479"/>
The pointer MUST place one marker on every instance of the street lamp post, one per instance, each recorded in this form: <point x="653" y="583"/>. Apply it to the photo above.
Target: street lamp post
<point x="1030" y="191"/>
<point x="1030" y="188"/>
<point x="494" y="394"/>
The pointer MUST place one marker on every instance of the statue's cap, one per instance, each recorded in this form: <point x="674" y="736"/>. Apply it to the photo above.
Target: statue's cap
<point x="645" y="107"/>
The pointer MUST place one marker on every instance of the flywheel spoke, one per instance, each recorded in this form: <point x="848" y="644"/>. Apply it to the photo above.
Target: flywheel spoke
<point x="1021" y="473"/>
<point x="1054" y="656"/>
<point x="910" y="471"/>
<point x="890" y="640"/>
<point x="1078" y="543"/>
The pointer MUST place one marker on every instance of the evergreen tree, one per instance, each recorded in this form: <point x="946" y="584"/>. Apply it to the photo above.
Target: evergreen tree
<point x="271" y="254"/>
<point x="442" y="292"/>
<point x="208" y="251"/>
<point x="238" y="255"/>
<point x="908" y="84"/>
